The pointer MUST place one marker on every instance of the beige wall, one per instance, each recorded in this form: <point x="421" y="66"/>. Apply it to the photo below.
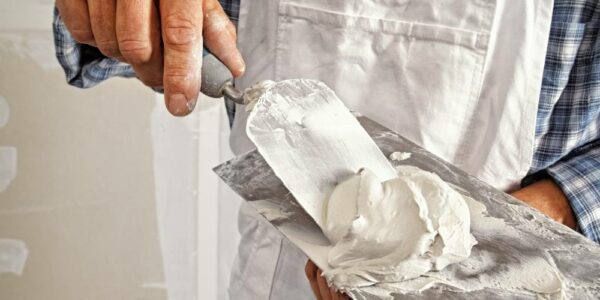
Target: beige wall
<point x="83" y="198"/>
<point x="113" y="198"/>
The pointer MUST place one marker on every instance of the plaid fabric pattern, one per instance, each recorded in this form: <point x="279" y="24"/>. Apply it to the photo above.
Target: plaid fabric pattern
<point x="567" y="146"/>
<point x="232" y="9"/>
<point x="84" y="65"/>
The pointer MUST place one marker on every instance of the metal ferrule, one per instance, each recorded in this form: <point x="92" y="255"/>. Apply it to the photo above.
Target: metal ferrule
<point x="232" y="93"/>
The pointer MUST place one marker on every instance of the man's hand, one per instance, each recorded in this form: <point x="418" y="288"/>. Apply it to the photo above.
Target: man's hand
<point x="163" y="43"/>
<point x="548" y="198"/>
<point x="319" y="285"/>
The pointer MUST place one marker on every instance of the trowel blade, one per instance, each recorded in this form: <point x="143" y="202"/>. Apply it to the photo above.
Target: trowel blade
<point x="312" y="141"/>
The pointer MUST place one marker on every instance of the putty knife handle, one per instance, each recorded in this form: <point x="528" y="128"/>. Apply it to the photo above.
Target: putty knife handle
<point x="217" y="80"/>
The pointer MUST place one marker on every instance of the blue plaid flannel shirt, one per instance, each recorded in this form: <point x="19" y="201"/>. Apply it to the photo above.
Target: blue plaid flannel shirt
<point x="567" y="144"/>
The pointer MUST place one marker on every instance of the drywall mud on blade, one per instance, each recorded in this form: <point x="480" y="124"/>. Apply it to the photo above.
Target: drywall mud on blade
<point x="312" y="141"/>
<point x="499" y="260"/>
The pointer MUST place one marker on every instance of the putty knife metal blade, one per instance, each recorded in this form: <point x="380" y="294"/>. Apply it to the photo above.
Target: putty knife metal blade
<point x="311" y="140"/>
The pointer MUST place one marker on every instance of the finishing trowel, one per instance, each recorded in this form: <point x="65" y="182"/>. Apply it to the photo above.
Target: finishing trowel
<point x="499" y="255"/>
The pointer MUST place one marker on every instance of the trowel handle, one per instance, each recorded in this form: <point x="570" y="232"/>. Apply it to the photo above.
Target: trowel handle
<point x="217" y="80"/>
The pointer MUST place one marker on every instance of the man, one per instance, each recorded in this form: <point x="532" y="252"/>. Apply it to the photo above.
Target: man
<point x="461" y="78"/>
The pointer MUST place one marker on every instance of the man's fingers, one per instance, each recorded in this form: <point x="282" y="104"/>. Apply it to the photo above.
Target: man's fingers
<point x="334" y="294"/>
<point x="220" y="37"/>
<point x="133" y="26"/>
<point x="138" y="36"/>
<point x="74" y="14"/>
<point x="310" y="269"/>
<point x="319" y="285"/>
<point x="181" y="24"/>
<point x="323" y="287"/>
<point x="102" y="19"/>
<point x="311" y="273"/>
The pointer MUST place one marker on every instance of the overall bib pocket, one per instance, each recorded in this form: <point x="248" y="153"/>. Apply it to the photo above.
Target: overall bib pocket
<point x="422" y="80"/>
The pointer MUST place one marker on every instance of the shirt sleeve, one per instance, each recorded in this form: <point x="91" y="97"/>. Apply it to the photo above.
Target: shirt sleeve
<point x="84" y="65"/>
<point x="578" y="175"/>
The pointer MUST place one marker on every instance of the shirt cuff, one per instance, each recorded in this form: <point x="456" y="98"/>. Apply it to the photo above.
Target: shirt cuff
<point x="579" y="178"/>
<point x="84" y="65"/>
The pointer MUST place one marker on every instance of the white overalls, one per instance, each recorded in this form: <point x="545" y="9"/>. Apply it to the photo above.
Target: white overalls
<point x="461" y="78"/>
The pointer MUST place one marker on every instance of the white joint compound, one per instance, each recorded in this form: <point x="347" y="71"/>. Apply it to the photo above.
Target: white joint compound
<point x="400" y="235"/>
<point x="394" y="230"/>
<point x="400" y="156"/>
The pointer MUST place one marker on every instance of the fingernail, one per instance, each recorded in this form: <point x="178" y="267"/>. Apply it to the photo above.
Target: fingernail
<point x="240" y="65"/>
<point x="242" y="69"/>
<point x="178" y="105"/>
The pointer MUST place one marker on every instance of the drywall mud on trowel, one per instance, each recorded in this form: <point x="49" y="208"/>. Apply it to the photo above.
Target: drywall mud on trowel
<point x="312" y="141"/>
<point x="520" y="253"/>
